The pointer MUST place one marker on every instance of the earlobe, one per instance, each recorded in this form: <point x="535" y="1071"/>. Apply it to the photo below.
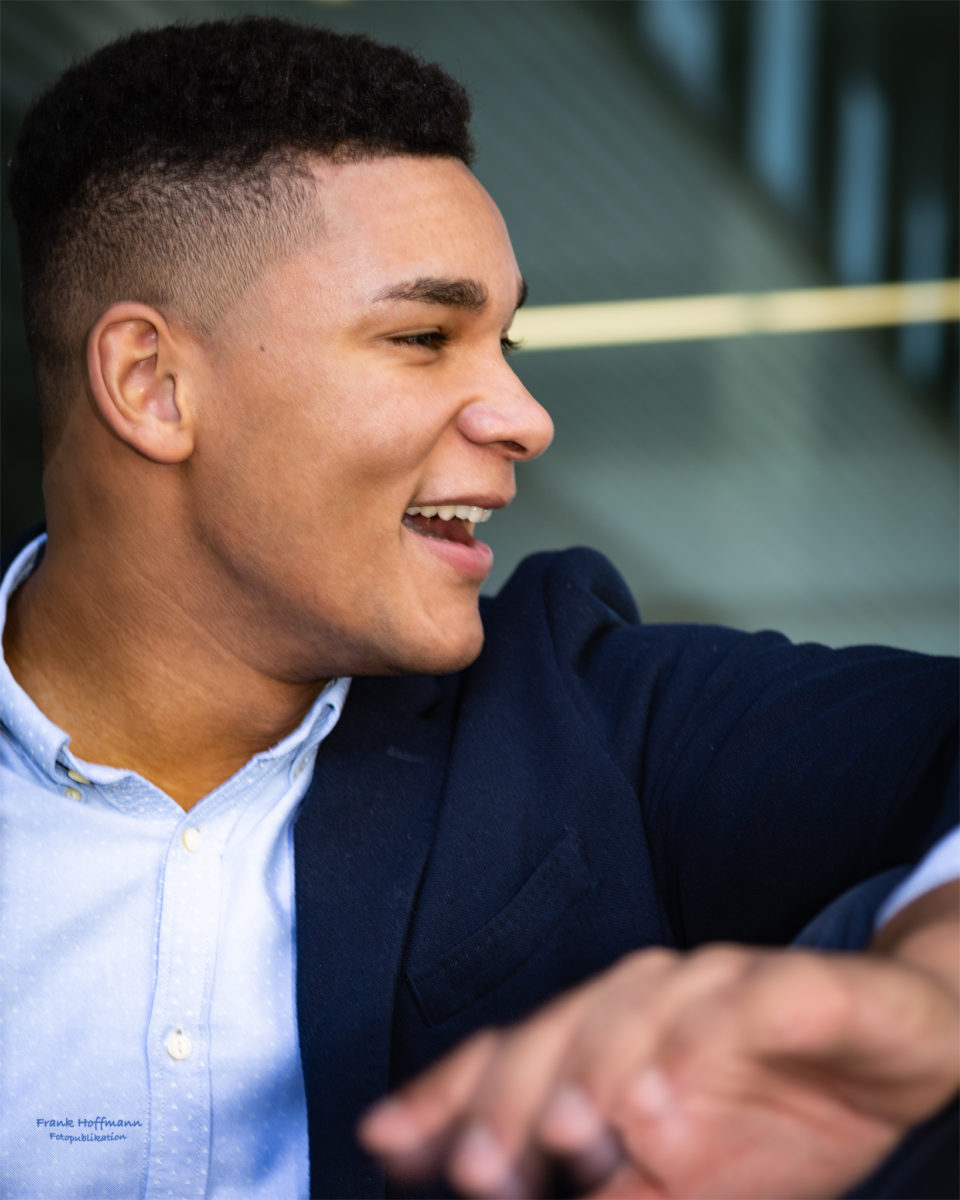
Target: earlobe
<point x="135" y="384"/>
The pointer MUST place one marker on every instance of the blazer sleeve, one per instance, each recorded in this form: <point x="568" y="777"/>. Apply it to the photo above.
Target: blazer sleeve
<point x="772" y="776"/>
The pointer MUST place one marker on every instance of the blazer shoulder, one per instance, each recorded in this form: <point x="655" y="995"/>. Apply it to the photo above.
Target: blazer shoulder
<point x="574" y="608"/>
<point x="572" y="589"/>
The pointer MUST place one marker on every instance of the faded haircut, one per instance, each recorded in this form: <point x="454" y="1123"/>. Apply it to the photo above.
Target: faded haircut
<point x="170" y="168"/>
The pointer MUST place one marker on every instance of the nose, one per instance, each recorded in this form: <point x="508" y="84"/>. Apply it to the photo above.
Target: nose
<point x="507" y="416"/>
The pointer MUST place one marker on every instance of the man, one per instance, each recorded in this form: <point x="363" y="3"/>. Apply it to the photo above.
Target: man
<point x="269" y="311"/>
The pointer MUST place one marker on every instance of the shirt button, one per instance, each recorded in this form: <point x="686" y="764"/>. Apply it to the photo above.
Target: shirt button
<point x="77" y="777"/>
<point x="178" y="1044"/>
<point x="192" y="839"/>
<point x="72" y="794"/>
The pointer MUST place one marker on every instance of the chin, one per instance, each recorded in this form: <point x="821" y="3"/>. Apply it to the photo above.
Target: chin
<point x="457" y="662"/>
<point x="435" y="657"/>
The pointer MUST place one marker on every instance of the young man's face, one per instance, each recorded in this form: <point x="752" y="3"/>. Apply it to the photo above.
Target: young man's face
<point x="363" y="378"/>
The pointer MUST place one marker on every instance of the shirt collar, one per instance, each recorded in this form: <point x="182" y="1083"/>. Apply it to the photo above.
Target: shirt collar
<point x="46" y="745"/>
<point x="36" y="736"/>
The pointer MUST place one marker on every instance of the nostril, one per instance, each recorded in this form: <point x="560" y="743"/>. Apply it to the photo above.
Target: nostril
<point x="516" y="446"/>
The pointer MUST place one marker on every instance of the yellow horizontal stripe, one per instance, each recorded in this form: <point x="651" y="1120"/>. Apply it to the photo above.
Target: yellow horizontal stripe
<point x="687" y="318"/>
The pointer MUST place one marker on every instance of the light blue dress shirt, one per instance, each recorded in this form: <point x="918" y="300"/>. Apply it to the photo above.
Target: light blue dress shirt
<point x="149" y="1036"/>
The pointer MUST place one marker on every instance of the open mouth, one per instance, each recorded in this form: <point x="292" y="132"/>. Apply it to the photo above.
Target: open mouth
<point x="446" y="534"/>
<point x="449" y="522"/>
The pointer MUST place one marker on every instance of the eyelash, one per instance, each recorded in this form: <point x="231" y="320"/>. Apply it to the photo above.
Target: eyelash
<point x="436" y="340"/>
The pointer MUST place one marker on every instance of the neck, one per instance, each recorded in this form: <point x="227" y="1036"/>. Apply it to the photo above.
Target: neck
<point x="115" y="662"/>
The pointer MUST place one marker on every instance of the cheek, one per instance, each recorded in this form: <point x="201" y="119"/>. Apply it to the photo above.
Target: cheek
<point x="323" y="452"/>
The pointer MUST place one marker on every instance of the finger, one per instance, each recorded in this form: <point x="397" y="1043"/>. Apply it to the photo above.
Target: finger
<point x="573" y="1127"/>
<point x="614" y="1034"/>
<point x="597" y="1161"/>
<point x="495" y="1152"/>
<point x="883" y="1033"/>
<point x="478" y="1165"/>
<point x="621" y="1033"/>
<point x="653" y="1122"/>
<point x="410" y="1125"/>
<point x="654" y="997"/>
<point x="617" y="1081"/>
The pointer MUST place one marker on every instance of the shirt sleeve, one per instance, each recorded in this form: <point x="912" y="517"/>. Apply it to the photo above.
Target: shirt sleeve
<point x="940" y="865"/>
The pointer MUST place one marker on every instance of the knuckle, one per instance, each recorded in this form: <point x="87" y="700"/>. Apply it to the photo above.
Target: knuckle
<point x="799" y="1002"/>
<point x="646" y="964"/>
<point x="485" y="1040"/>
<point x="724" y="961"/>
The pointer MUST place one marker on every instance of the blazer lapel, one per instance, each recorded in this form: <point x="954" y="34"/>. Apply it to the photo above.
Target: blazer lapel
<point x="360" y="845"/>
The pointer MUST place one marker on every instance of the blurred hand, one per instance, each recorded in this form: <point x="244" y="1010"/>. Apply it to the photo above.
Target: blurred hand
<point x="725" y="1072"/>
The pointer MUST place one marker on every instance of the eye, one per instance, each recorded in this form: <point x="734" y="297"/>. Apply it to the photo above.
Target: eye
<point x="432" y="339"/>
<point x="436" y="339"/>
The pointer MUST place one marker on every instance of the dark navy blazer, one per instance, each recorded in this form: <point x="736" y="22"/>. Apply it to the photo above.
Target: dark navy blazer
<point x="472" y="844"/>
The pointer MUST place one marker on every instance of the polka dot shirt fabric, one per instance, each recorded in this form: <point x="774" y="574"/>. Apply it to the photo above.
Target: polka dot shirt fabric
<point x="148" y="1033"/>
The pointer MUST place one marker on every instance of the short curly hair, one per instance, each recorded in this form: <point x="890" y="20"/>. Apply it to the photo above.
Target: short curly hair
<point x="170" y="168"/>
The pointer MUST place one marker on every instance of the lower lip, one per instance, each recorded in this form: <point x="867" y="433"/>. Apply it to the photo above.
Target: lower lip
<point x="472" y="560"/>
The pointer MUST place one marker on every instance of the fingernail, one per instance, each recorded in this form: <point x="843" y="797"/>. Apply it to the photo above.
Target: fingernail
<point x="479" y="1163"/>
<point x="390" y="1127"/>
<point x="651" y="1094"/>
<point x="571" y="1118"/>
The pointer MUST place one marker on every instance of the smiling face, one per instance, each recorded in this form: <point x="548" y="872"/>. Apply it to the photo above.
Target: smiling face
<point x="358" y="387"/>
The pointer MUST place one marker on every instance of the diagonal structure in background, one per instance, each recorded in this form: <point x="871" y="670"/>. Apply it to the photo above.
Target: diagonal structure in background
<point x="691" y="318"/>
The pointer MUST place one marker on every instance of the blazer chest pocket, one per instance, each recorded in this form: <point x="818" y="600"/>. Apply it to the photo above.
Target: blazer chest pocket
<point x="499" y="948"/>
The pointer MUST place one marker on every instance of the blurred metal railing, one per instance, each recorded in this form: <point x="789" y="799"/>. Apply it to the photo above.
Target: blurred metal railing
<point x="692" y="318"/>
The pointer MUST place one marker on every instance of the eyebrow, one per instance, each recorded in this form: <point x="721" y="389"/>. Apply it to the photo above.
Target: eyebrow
<point x="469" y="294"/>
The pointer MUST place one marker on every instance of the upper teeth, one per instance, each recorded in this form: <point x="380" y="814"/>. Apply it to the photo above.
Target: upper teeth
<point x="446" y="512"/>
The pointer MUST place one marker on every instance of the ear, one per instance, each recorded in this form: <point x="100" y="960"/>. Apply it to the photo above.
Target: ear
<point x="137" y="385"/>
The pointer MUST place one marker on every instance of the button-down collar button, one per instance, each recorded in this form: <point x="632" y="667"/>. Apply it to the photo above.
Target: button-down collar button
<point x="77" y="777"/>
<point x="178" y="1044"/>
<point x="72" y="794"/>
<point x="192" y="839"/>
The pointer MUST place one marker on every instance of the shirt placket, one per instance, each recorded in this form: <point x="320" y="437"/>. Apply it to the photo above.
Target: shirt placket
<point x="178" y="1037"/>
